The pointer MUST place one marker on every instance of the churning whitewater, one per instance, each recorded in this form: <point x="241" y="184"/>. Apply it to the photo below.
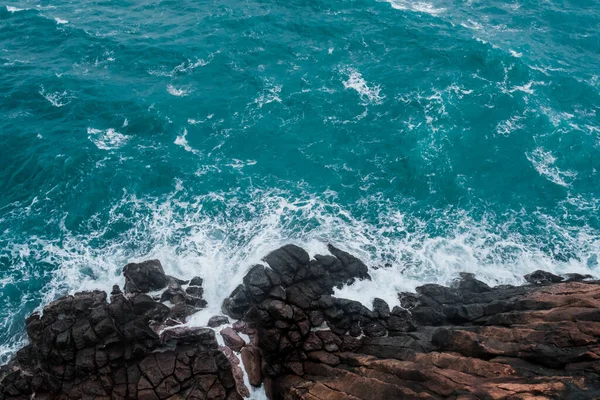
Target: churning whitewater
<point x="425" y="137"/>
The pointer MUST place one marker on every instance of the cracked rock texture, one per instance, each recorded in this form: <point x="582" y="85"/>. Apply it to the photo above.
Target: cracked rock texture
<point x="467" y="341"/>
<point x="83" y="347"/>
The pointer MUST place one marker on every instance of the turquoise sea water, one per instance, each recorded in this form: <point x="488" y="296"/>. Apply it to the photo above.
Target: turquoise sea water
<point x="433" y="136"/>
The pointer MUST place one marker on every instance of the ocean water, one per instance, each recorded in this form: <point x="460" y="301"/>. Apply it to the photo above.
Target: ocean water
<point x="426" y="137"/>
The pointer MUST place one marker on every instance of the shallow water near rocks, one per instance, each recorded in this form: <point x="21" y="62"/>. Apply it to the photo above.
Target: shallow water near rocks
<point x="432" y="137"/>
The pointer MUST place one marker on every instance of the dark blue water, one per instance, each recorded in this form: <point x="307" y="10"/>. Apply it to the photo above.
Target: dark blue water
<point x="438" y="137"/>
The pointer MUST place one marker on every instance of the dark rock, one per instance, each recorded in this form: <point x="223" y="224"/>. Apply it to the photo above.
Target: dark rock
<point x="467" y="341"/>
<point x="237" y="304"/>
<point x="540" y="277"/>
<point x="316" y="318"/>
<point x="380" y="308"/>
<point x="116" y="291"/>
<point x="236" y="380"/>
<point x="257" y="277"/>
<point x="329" y="339"/>
<point x="355" y="329"/>
<point x="577" y="277"/>
<point x="324" y="357"/>
<point x="296" y="297"/>
<point x="400" y="323"/>
<point x="232" y="339"/>
<point x="374" y="329"/>
<point x="355" y="268"/>
<point x="350" y="306"/>
<point x="196" y="281"/>
<point x="217" y="320"/>
<point x="174" y="293"/>
<point x="181" y="311"/>
<point x="278" y="309"/>
<point x="312" y="342"/>
<point x="242" y="327"/>
<point x="468" y="283"/>
<point x="433" y="295"/>
<point x="286" y="261"/>
<point x="252" y="364"/>
<point x="145" y="276"/>
<point x="195" y="291"/>
<point x="278" y="292"/>
<point x="408" y="301"/>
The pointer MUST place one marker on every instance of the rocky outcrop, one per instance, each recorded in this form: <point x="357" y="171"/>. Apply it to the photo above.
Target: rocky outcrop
<point x="290" y="334"/>
<point x="468" y="341"/>
<point x="504" y="343"/>
<point x="83" y="347"/>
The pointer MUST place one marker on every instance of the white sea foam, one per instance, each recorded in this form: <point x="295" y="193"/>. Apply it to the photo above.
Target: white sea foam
<point x="269" y="94"/>
<point x="61" y="21"/>
<point x="556" y="118"/>
<point x="545" y="164"/>
<point x="190" y="239"/>
<point x="57" y="99"/>
<point x="179" y="92"/>
<point x="181" y="140"/>
<point x="108" y="139"/>
<point x="471" y="24"/>
<point x="416" y="6"/>
<point x="369" y="94"/>
<point x="219" y="235"/>
<point x="510" y="125"/>
<point x="240" y="164"/>
<point x="515" y="53"/>
<point x="526" y="88"/>
<point x="12" y="9"/>
<point x="182" y="68"/>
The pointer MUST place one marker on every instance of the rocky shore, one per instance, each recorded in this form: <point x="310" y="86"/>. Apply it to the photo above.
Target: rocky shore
<point x="284" y="330"/>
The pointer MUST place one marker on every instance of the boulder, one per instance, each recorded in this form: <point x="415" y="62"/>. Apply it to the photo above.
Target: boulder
<point x="84" y="347"/>
<point x="217" y="320"/>
<point x="542" y="278"/>
<point x="145" y="277"/>
<point x="252" y="364"/>
<point x="196" y="281"/>
<point x="232" y="339"/>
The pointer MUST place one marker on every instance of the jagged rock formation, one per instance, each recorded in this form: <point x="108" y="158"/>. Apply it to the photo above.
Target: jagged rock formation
<point x="468" y="341"/>
<point x="465" y="342"/>
<point x="83" y="347"/>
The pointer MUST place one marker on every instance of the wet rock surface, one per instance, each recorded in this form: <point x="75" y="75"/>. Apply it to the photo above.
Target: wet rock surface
<point x="466" y="341"/>
<point x="83" y="347"/>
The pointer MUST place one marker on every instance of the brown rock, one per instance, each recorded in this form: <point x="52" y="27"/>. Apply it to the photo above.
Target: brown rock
<point x="238" y="375"/>
<point x="324" y="357"/>
<point x="217" y="320"/>
<point x="147" y="394"/>
<point x="467" y="341"/>
<point x="232" y="339"/>
<point x="312" y="342"/>
<point x="252" y="364"/>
